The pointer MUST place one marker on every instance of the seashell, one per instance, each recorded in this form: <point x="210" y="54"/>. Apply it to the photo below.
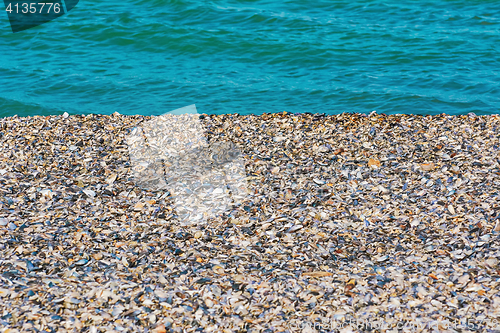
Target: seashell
<point x="427" y="166"/>
<point x="374" y="164"/>
<point x="319" y="181"/>
<point x="497" y="226"/>
<point x="383" y="258"/>
<point x="317" y="274"/>
<point x="454" y="169"/>
<point x="89" y="193"/>
<point x="492" y="262"/>
<point x="464" y="279"/>
<point x="111" y="179"/>
<point x="295" y="228"/>
<point x="47" y="193"/>
<point x="4" y="292"/>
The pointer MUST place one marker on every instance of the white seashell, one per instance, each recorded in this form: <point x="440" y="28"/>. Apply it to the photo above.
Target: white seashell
<point x="89" y="193"/>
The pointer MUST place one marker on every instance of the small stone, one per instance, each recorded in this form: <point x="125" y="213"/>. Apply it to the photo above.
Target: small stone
<point x="3" y="221"/>
<point x="65" y="115"/>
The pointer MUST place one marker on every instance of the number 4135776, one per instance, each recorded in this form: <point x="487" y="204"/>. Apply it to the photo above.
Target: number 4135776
<point x="26" y="8"/>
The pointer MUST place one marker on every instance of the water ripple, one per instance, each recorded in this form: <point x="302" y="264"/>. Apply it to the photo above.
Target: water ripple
<point x="257" y="56"/>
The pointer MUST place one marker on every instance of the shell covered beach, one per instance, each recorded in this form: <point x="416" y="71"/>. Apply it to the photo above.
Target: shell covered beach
<point x="350" y="223"/>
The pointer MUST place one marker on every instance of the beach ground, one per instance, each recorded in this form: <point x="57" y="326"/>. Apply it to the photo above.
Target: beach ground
<point x="351" y="222"/>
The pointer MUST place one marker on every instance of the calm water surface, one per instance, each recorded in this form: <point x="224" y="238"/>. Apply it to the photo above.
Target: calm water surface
<point x="255" y="56"/>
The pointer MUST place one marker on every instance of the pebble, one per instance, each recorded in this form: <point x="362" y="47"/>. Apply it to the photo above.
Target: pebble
<point x="351" y="217"/>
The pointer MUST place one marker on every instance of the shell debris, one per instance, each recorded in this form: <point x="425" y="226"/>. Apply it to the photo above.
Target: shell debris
<point x="348" y="217"/>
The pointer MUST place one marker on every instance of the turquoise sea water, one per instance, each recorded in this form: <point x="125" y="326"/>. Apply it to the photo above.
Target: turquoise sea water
<point x="255" y="56"/>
